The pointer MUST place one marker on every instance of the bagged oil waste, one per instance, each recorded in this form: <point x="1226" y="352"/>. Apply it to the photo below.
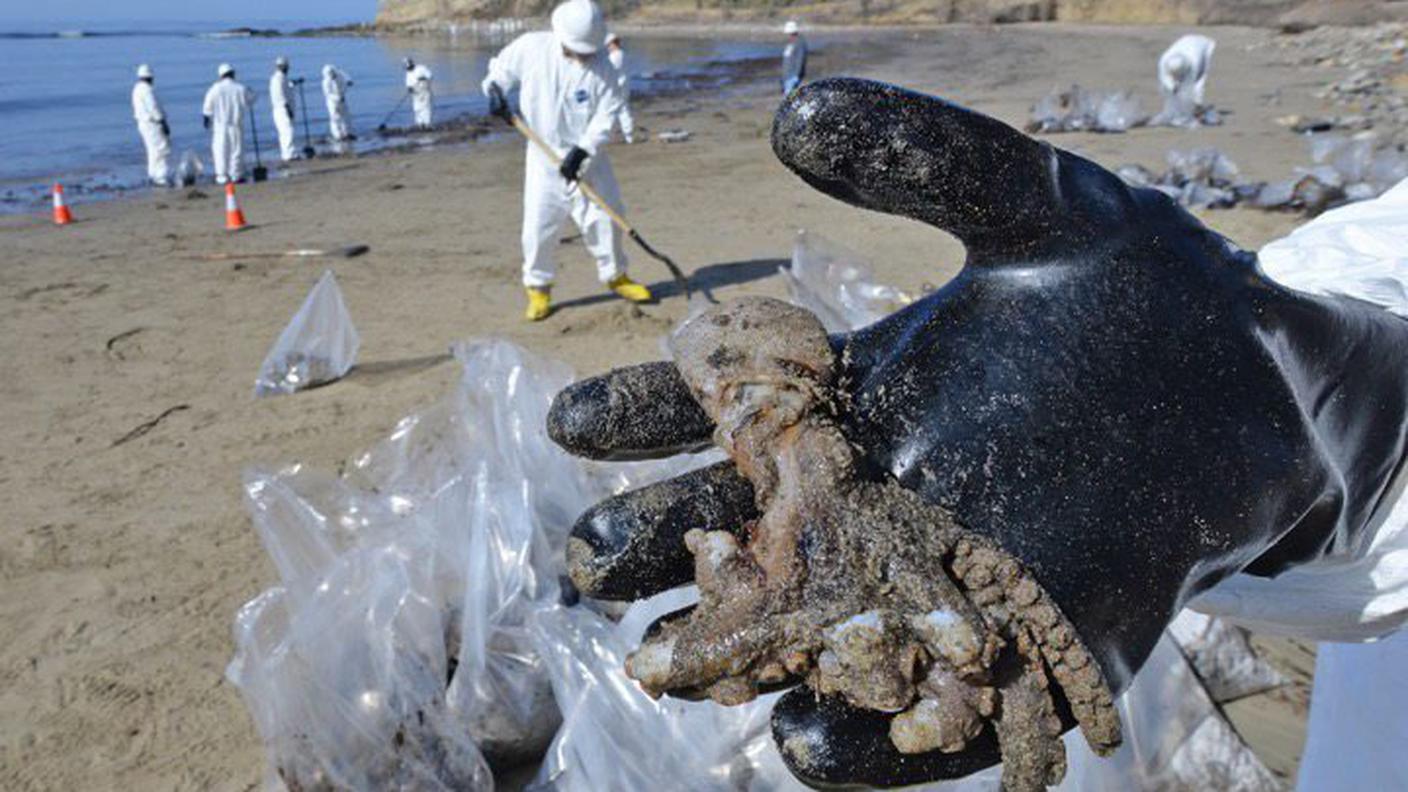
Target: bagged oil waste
<point x="1079" y="110"/>
<point x="395" y="651"/>
<point x="190" y="169"/>
<point x="318" y="346"/>
<point x="837" y="284"/>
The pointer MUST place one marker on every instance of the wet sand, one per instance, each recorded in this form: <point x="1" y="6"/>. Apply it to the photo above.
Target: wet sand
<point x="123" y="563"/>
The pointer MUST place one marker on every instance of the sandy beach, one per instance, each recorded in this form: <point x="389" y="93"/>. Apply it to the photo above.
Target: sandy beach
<point x="126" y="553"/>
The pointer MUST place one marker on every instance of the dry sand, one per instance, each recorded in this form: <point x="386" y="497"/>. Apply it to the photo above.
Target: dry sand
<point x="122" y="565"/>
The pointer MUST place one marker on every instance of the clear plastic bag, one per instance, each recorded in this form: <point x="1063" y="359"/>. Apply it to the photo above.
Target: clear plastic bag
<point x="1076" y="110"/>
<point x="1226" y="663"/>
<point x="343" y="667"/>
<point x="616" y="737"/>
<point x="190" y="169"/>
<point x="837" y="285"/>
<point x="1206" y="166"/>
<point x="458" y="518"/>
<point x="318" y="346"/>
<point x="1119" y="111"/>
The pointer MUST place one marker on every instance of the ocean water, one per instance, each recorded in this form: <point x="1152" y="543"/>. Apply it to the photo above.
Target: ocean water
<point x="65" y="91"/>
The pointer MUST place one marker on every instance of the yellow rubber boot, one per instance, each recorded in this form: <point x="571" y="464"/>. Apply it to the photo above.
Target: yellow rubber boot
<point x="629" y="289"/>
<point x="539" y="304"/>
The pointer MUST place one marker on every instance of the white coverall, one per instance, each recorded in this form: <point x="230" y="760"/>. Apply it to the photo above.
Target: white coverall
<point x="227" y="103"/>
<point x="282" y="104"/>
<point x="147" y="110"/>
<point x="568" y="103"/>
<point x="418" y="82"/>
<point x="623" y="85"/>
<point x="1196" y="51"/>
<point x="335" y="92"/>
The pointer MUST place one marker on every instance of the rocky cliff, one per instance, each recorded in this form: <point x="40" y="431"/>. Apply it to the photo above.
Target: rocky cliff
<point x="411" y="13"/>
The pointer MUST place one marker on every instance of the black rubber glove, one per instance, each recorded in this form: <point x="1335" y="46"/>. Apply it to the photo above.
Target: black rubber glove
<point x="206" y="121"/>
<point x="498" y="103"/>
<point x="572" y="163"/>
<point x="165" y="129"/>
<point x="1112" y="392"/>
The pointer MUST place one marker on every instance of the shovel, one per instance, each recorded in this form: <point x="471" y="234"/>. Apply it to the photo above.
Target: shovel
<point x="522" y="126"/>
<point x="382" y="126"/>
<point x="308" y="152"/>
<point x="346" y="251"/>
<point x="260" y="172"/>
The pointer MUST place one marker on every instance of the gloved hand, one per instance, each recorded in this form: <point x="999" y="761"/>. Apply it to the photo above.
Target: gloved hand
<point x="572" y="163"/>
<point x="498" y="103"/>
<point x="206" y="121"/>
<point x="165" y="128"/>
<point x="1110" y="391"/>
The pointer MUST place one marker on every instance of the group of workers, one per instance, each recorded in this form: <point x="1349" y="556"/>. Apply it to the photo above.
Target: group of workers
<point x="570" y="95"/>
<point x="227" y="105"/>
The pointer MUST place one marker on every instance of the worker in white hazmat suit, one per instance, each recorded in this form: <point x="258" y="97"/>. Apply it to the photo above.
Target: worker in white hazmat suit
<point x="152" y="126"/>
<point x="227" y="104"/>
<point x="616" y="52"/>
<point x="569" y="96"/>
<point x="418" y="83"/>
<point x="281" y="102"/>
<point x="335" y="85"/>
<point x="1183" y="77"/>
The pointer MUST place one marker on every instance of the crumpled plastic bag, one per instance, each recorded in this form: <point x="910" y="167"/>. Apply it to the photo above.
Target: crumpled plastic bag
<point x="1079" y="110"/>
<point x="318" y="346"/>
<point x="190" y="169"/>
<point x="616" y="737"/>
<point x="343" y="667"/>
<point x="1119" y="111"/>
<point x="458" y="519"/>
<point x="1223" y="657"/>
<point x="837" y="285"/>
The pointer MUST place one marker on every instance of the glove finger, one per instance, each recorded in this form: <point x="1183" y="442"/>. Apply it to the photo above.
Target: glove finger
<point x="631" y="545"/>
<point x="825" y="742"/>
<point x="637" y="412"/>
<point x="883" y="148"/>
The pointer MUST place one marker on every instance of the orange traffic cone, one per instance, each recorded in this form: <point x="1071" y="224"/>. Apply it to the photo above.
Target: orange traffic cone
<point x="234" y="218"/>
<point x="62" y="216"/>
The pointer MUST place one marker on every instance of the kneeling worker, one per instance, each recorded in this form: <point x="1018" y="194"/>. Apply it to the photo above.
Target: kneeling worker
<point x="569" y="95"/>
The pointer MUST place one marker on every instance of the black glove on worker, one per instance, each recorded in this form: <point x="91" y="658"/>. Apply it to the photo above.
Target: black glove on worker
<point x="498" y="103"/>
<point x="1113" y="393"/>
<point x="571" y="168"/>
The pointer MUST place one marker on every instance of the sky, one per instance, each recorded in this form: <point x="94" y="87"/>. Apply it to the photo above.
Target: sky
<point x="227" y="11"/>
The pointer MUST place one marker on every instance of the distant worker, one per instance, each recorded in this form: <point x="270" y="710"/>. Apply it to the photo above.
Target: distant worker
<point x="152" y="126"/>
<point x="794" y="58"/>
<point x="227" y="104"/>
<point x="335" y="85"/>
<point x="1183" y="72"/>
<point x="418" y="79"/>
<point x="568" y="95"/>
<point x="281" y="103"/>
<point x="616" y="52"/>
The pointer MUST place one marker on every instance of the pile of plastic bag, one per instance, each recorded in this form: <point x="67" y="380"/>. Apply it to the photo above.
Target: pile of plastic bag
<point x="421" y="631"/>
<point x="1079" y="110"/>
<point x="1198" y="178"/>
<point x="1346" y="170"/>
